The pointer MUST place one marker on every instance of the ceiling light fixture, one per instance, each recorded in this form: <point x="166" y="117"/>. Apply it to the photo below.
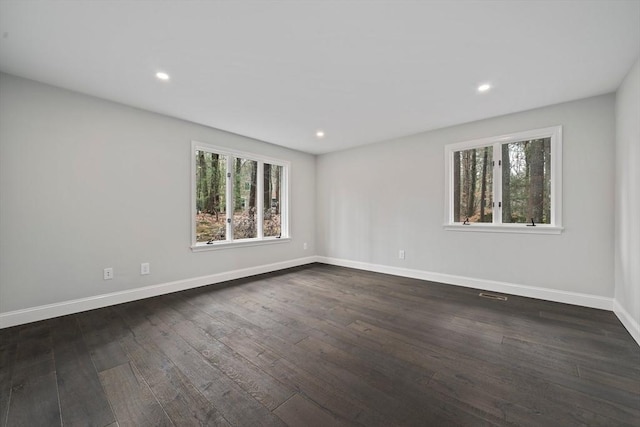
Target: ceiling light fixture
<point x="484" y="87"/>
<point x="162" y="76"/>
<point x="320" y="134"/>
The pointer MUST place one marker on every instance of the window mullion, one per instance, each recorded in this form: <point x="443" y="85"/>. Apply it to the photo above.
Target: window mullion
<point x="229" y="198"/>
<point x="284" y="206"/>
<point x="497" y="183"/>
<point x="260" y="199"/>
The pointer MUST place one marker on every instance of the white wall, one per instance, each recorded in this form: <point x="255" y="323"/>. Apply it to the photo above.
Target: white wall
<point x="377" y="199"/>
<point x="627" y="212"/>
<point x="87" y="184"/>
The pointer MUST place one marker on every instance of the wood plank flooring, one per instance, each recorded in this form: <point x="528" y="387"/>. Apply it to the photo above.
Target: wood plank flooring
<point x="323" y="346"/>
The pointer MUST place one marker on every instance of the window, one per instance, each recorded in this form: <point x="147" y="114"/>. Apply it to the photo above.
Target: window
<point x="509" y="183"/>
<point x="238" y="198"/>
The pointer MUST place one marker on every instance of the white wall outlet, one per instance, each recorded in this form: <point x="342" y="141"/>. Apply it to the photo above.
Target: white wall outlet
<point x="401" y="254"/>
<point x="108" y="273"/>
<point x="145" y="268"/>
<point x="305" y="246"/>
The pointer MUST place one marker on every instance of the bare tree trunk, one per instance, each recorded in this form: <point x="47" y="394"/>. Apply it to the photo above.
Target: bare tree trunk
<point x="237" y="200"/>
<point x="456" y="186"/>
<point x="472" y="184"/>
<point x="483" y="185"/>
<point x="266" y="188"/>
<point x="213" y="203"/>
<point x="466" y="183"/>
<point x="547" y="181"/>
<point x="506" y="184"/>
<point x="254" y="183"/>
<point x="527" y="180"/>
<point x="535" y="162"/>
<point x="203" y="189"/>
<point x="277" y="184"/>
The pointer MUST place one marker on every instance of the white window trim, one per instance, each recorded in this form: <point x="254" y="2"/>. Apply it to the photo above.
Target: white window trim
<point x="555" y="227"/>
<point x="284" y="207"/>
<point x="241" y="243"/>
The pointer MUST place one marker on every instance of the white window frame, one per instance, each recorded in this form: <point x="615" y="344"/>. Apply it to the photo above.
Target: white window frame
<point x="555" y="227"/>
<point x="230" y="242"/>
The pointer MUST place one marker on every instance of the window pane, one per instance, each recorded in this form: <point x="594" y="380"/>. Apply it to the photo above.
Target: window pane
<point x="211" y="170"/>
<point x="526" y="181"/>
<point x="272" y="200"/>
<point x="473" y="185"/>
<point x="245" y="188"/>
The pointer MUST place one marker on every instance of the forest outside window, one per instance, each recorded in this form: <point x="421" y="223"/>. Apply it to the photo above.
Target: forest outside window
<point x="237" y="198"/>
<point x="510" y="183"/>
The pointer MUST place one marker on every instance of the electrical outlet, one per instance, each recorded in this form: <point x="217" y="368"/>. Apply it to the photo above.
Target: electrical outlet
<point x="401" y="254"/>
<point x="145" y="268"/>
<point x="305" y="246"/>
<point x="108" y="273"/>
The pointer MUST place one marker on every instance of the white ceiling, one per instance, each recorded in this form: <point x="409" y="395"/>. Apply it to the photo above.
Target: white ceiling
<point x="363" y="71"/>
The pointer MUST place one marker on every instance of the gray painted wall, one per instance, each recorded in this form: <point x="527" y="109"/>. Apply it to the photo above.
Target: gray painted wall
<point x="375" y="200"/>
<point x="627" y="212"/>
<point x="87" y="184"/>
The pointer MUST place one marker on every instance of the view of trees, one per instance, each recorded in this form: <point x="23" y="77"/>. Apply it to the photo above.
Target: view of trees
<point x="473" y="185"/>
<point x="526" y="183"/>
<point x="211" y="175"/>
<point x="272" y="200"/>
<point x="210" y="196"/>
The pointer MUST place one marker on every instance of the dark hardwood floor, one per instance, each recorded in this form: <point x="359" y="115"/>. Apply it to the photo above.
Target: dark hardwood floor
<point x="322" y="346"/>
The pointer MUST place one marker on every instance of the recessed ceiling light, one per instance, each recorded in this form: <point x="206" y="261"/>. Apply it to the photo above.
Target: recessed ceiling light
<point x="484" y="87"/>
<point x="162" y="76"/>
<point x="320" y="134"/>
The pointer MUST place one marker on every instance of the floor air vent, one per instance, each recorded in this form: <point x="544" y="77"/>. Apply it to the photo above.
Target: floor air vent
<point x="492" y="296"/>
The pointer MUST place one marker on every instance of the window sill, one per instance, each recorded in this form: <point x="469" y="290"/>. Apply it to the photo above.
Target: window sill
<point x="511" y="228"/>
<point x="201" y="247"/>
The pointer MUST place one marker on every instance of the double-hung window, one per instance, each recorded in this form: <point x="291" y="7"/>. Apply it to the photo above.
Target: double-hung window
<point x="508" y="183"/>
<point x="237" y="198"/>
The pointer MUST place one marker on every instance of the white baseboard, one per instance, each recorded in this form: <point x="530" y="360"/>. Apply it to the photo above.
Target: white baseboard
<point x="574" y="298"/>
<point x="19" y="317"/>
<point x="28" y="315"/>
<point x="627" y="320"/>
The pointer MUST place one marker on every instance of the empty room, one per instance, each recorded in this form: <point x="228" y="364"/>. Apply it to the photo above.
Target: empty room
<point x="319" y="213"/>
